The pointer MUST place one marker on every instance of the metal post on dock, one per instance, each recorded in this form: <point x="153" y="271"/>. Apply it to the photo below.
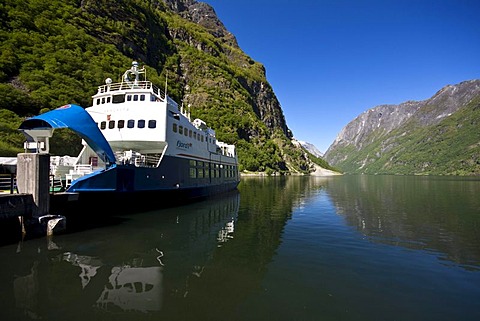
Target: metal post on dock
<point x="33" y="170"/>
<point x="33" y="177"/>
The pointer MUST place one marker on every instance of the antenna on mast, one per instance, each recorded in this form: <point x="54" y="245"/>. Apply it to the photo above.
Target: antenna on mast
<point x="166" y="83"/>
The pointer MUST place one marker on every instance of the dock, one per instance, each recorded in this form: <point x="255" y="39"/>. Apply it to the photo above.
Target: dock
<point x="25" y="198"/>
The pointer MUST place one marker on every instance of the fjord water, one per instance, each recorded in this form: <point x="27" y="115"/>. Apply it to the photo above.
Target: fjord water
<point x="282" y="248"/>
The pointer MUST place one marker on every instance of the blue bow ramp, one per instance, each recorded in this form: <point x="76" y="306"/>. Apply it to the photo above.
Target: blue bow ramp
<point x="77" y="119"/>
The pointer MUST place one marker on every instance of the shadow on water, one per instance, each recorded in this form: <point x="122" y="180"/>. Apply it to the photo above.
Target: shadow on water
<point x="198" y="261"/>
<point x="132" y="269"/>
<point x="92" y="211"/>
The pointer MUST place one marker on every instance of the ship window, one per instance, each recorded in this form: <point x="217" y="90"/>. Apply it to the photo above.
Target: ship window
<point x="194" y="135"/>
<point x="129" y="98"/>
<point x="135" y="97"/>
<point x="103" y="100"/>
<point x="193" y="162"/>
<point x="193" y="173"/>
<point x="180" y="129"/>
<point x="108" y="99"/>
<point x="201" y="138"/>
<point x="98" y="101"/>
<point x="185" y="131"/>
<point x="103" y="125"/>
<point x="152" y="98"/>
<point x="130" y="123"/>
<point x="142" y="97"/>
<point x="152" y="123"/>
<point x="174" y="128"/>
<point x="141" y="123"/>
<point x="117" y="99"/>
<point x="190" y="133"/>
<point x="121" y="123"/>
<point x="111" y="124"/>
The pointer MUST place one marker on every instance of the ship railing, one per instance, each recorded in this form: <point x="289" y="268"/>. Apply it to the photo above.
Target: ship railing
<point x="137" y="159"/>
<point x="147" y="85"/>
<point x="56" y="184"/>
<point x="226" y="149"/>
<point x="77" y="171"/>
<point x="148" y="160"/>
<point x="126" y="157"/>
<point x="82" y="169"/>
<point x="8" y="184"/>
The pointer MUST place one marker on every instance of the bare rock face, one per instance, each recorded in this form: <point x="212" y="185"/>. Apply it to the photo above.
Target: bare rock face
<point x="378" y="120"/>
<point x="263" y="100"/>
<point x="204" y="15"/>
<point x="374" y="127"/>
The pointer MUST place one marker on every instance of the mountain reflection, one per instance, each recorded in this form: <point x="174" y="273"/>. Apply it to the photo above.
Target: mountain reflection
<point x="286" y="241"/>
<point x="426" y="213"/>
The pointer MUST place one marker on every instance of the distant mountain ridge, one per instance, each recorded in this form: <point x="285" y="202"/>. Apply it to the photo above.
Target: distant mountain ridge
<point x="440" y="136"/>
<point x="311" y="148"/>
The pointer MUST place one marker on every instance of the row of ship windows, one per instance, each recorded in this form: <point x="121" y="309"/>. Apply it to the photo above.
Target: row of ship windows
<point x="130" y="124"/>
<point x="199" y="169"/>
<point x="152" y="123"/>
<point x="205" y="173"/>
<point x="117" y="99"/>
<point x="189" y="133"/>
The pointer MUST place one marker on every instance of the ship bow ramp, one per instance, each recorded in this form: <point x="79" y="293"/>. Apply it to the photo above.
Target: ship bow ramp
<point x="77" y="119"/>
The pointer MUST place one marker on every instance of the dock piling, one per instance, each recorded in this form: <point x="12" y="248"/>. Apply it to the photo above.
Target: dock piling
<point x="33" y="170"/>
<point x="33" y="177"/>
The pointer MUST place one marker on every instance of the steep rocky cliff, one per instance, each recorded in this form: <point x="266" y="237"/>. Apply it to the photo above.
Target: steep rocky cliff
<point x="56" y="52"/>
<point x="204" y="15"/>
<point x="439" y="135"/>
<point x="263" y="99"/>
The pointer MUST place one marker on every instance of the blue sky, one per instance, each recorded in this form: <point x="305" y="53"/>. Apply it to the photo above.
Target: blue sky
<point x="330" y="60"/>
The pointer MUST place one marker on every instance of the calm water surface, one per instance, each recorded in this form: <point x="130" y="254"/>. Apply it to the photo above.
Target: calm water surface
<point x="289" y="248"/>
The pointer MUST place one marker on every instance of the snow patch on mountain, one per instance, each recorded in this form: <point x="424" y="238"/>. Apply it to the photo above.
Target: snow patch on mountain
<point x="312" y="149"/>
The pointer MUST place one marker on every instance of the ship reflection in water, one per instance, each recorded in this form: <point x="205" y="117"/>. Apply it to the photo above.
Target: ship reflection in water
<point x="118" y="268"/>
<point x="128" y="288"/>
<point x="133" y="289"/>
<point x="296" y="248"/>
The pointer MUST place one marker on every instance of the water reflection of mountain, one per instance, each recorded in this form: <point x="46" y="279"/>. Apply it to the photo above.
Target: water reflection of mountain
<point x="194" y="262"/>
<point x="428" y="213"/>
<point x="130" y="268"/>
<point x="278" y="196"/>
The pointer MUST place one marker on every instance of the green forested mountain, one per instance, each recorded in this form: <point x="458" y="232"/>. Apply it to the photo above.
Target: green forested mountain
<point x="437" y="136"/>
<point x="56" y="52"/>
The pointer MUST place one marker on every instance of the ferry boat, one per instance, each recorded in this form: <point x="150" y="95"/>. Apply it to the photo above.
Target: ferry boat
<point x="137" y="141"/>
